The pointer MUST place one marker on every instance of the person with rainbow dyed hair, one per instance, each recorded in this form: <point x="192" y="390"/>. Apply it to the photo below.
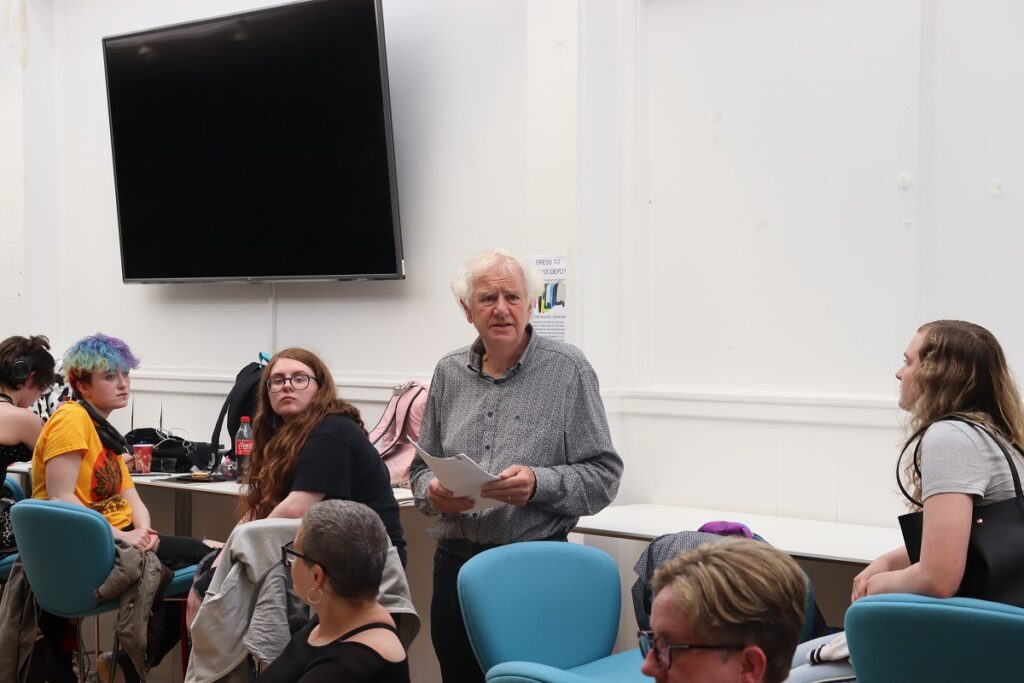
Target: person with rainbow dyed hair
<point x="79" y="459"/>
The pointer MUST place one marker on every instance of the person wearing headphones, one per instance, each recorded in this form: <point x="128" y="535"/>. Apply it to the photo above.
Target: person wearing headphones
<point x="26" y="371"/>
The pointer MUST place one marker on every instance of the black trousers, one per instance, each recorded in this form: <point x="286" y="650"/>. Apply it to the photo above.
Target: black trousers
<point x="447" y="629"/>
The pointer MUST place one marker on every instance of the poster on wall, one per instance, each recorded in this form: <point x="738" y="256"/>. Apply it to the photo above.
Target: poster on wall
<point x="549" y="310"/>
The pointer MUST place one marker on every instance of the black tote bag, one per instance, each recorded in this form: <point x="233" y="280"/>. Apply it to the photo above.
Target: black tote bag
<point x="995" y="552"/>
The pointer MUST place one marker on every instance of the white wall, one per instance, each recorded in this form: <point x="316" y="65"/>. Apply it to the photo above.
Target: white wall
<point x="794" y="187"/>
<point x="12" y="176"/>
<point x="760" y="201"/>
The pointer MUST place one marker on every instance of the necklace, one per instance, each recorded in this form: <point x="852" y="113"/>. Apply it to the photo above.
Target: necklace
<point x="6" y="399"/>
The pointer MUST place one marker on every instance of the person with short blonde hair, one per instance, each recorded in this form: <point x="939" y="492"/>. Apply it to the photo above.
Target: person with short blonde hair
<point x="727" y="611"/>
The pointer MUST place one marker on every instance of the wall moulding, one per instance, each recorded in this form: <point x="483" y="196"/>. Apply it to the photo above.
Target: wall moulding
<point x="217" y="382"/>
<point x="820" y="409"/>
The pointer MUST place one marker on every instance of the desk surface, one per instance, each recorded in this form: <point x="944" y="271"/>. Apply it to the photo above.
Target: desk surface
<point x="224" y="488"/>
<point x="855" y="543"/>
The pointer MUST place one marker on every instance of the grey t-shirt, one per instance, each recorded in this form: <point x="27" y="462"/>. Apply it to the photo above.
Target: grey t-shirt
<point x="956" y="458"/>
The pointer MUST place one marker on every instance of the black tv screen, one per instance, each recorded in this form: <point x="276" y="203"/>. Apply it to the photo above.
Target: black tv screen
<point x="255" y="146"/>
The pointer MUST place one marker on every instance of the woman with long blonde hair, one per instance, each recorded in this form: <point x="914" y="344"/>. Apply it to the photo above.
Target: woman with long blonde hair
<point x="961" y="396"/>
<point x="952" y="369"/>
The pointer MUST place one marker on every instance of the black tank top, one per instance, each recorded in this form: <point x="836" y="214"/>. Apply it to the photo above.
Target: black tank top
<point x="9" y="454"/>
<point x="352" y="662"/>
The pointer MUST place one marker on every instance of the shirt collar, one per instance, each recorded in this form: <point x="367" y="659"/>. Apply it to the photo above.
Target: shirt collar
<point x="476" y="357"/>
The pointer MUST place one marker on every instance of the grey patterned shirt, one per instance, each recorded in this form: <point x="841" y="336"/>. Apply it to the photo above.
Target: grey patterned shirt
<point x="546" y="413"/>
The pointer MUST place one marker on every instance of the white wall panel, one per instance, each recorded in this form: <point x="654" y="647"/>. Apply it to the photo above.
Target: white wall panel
<point x="12" y="178"/>
<point x="794" y="456"/>
<point x="972" y="236"/>
<point x="774" y="135"/>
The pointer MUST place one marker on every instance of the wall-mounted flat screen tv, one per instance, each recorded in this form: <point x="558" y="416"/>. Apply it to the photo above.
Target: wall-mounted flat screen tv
<point x="256" y="147"/>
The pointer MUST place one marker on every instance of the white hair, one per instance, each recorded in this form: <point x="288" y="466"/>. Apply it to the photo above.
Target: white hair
<point x="462" y="284"/>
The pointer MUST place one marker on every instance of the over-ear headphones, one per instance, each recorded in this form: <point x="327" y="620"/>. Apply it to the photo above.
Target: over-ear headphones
<point x="22" y="368"/>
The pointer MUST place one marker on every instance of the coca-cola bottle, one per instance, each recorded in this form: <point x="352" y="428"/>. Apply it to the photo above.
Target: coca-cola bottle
<point x="243" y="445"/>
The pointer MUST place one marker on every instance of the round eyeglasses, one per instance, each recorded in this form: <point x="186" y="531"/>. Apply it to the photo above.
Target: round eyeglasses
<point x="298" y="382"/>
<point x="663" y="650"/>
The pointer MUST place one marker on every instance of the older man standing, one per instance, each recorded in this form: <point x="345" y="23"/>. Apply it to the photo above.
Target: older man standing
<point x="525" y="408"/>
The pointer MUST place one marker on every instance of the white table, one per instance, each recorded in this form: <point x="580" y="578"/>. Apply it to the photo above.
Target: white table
<point x="803" y="538"/>
<point x="23" y="469"/>
<point x="226" y="488"/>
<point x="183" y="491"/>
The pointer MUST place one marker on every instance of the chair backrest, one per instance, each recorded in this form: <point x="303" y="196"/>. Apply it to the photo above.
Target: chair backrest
<point x="902" y="637"/>
<point x="14" y="489"/>
<point x="548" y="602"/>
<point x="667" y="546"/>
<point x="67" y="551"/>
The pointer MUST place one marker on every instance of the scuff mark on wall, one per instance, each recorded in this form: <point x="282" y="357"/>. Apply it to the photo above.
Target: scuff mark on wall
<point x="15" y="27"/>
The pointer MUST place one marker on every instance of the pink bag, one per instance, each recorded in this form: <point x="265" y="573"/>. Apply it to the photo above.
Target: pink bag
<point x="399" y="423"/>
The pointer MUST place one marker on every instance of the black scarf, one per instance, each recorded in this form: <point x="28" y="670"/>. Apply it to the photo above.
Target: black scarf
<point x="109" y="436"/>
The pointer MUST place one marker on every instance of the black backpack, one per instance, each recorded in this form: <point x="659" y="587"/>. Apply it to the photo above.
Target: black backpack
<point x="667" y="546"/>
<point x="660" y="549"/>
<point x="241" y="401"/>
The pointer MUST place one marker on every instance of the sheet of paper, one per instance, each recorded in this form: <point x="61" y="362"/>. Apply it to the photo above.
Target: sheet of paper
<point x="460" y="475"/>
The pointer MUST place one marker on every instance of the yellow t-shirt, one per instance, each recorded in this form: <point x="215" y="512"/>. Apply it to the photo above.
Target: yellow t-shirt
<point x="103" y="474"/>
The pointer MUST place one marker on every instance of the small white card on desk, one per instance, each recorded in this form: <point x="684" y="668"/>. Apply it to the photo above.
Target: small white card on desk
<point x="460" y="475"/>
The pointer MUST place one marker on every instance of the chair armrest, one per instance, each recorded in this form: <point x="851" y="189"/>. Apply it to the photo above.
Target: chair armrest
<point x="531" y="672"/>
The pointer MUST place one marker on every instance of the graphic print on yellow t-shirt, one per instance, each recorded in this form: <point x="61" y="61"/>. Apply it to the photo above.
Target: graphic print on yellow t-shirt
<point x="105" y="484"/>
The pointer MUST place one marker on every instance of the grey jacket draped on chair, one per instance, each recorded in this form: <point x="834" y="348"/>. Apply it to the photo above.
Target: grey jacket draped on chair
<point x="246" y="608"/>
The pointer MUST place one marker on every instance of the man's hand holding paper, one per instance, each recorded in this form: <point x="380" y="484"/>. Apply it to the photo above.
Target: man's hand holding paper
<point x="446" y="502"/>
<point x="515" y="486"/>
<point x="458" y="484"/>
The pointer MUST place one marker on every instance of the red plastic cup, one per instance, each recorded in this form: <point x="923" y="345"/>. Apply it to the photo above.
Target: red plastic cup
<point x="143" y="458"/>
